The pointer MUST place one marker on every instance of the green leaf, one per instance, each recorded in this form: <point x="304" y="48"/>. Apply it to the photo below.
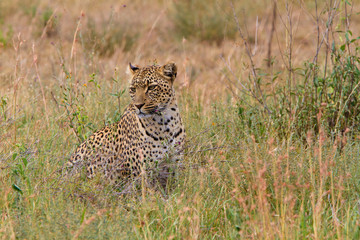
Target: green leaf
<point x="83" y="216"/>
<point x="330" y="90"/>
<point x="316" y="82"/>
<point x="17" y="188"/>
<point x="25" y="162"/>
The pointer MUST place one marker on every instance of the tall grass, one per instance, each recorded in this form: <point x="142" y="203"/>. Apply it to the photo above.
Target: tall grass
<point x="240" y="188"/>
<point x="329" y="89"/>
<point x="204" y="20"/>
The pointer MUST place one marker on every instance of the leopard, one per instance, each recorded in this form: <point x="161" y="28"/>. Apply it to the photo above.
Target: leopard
<point x="149" y="131"/>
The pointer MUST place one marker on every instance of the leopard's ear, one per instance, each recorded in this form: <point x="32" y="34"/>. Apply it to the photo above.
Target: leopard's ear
<point x="133" y="69"/>
<point x="169" y="70"/>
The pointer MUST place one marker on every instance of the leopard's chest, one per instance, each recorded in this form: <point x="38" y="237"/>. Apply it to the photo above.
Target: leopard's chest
<point x="158" y="133"/>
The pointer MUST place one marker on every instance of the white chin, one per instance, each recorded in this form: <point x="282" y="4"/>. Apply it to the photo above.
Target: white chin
<point x="143" y="115"/>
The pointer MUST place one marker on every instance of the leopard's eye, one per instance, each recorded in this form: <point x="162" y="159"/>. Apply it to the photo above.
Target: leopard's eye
<point x="152" y="87"/>
<point x="132" y="90"/>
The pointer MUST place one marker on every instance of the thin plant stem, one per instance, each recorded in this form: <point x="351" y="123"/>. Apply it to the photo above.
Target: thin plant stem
<point x="273" y="22"/>
<point x="17" y="78"/>
<point x="252" y="65"/>
<point x="35" y="61"/>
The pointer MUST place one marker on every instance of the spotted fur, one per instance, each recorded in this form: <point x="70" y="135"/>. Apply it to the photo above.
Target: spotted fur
<point x="149" y="131"/>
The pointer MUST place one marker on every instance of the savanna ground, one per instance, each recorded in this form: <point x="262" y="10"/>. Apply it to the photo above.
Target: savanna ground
<point x="269" y="94"/>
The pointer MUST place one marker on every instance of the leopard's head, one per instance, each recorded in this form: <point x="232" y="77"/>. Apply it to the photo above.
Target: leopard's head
<point x="151" y="88"/>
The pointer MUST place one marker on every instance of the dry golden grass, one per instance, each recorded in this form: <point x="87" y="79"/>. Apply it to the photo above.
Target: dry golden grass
<point x="199" y="62"/>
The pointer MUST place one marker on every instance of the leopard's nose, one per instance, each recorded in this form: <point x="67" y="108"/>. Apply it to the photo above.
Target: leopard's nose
<point x="139" y="105"/>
